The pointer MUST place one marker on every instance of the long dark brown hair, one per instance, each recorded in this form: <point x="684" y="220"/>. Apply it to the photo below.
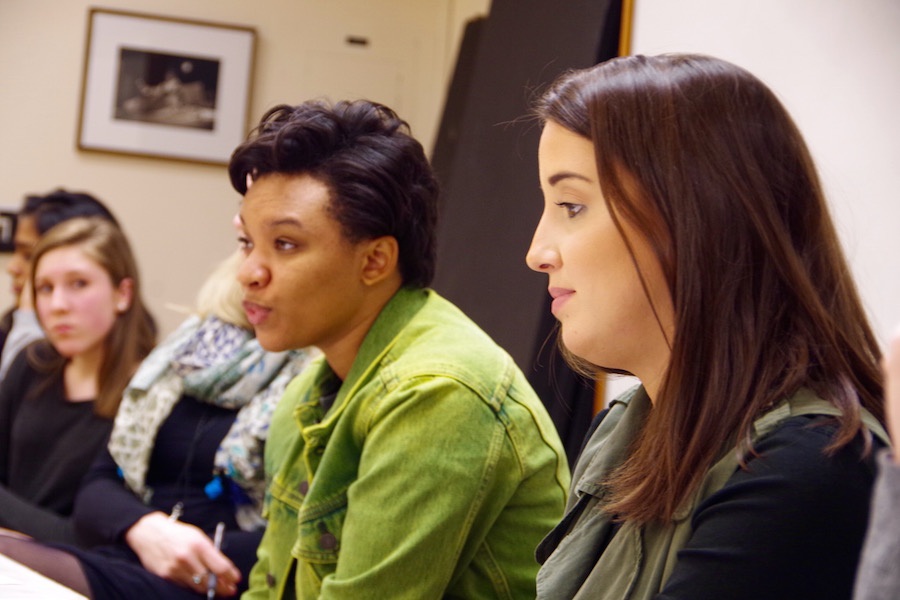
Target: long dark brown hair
<point x="705" y="161"/>
<point x="133" y="333"/>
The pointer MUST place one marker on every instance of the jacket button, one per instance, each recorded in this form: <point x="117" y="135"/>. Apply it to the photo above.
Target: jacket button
<point x="303" y="487"/>
<point x="327" y="541"/>
<point x="270" y="580"/>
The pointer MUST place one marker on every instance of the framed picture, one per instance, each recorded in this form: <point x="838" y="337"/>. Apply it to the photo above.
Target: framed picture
<point x="165" y="87"/>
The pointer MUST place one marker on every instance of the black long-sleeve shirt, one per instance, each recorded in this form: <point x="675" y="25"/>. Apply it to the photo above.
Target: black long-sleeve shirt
<point x="181" y="465"/>
<point x="47" y="445"/>
<point x="789" y="526"/>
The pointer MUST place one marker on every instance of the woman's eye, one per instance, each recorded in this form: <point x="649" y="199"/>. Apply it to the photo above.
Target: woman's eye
<point x="572" y="210"/>
<point x="244" y="244"/>
<point x="284" y="245"/>
<point x="43" y="288"/>
<point x="79" y="283"/>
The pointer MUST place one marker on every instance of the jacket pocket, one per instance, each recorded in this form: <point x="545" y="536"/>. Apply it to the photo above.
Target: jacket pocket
<point x="319" y="540"/>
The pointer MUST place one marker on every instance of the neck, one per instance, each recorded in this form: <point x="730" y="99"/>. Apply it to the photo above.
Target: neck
<point x="80" y="376"/>
<point x="342" y="352"/>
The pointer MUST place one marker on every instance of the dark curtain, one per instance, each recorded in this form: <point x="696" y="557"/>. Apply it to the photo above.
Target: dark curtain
<point x="486" y="158"/>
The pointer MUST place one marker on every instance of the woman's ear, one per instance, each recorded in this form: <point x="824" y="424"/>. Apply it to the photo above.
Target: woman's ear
<point x="380" y="259"/>
<point x="124" y="295"/>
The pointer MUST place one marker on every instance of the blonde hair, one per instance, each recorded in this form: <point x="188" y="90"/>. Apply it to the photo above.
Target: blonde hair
<point x="221" y="295"/>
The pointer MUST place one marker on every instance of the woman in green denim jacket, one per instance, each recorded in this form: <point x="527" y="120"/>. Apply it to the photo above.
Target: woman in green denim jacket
<point x="413" y="460"/>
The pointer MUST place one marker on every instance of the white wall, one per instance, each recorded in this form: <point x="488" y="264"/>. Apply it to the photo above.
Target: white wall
<point x="177" y="214"/>
<point x="836" y="66"/>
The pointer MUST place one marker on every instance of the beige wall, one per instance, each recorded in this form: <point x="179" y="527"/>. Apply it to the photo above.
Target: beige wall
<point x="178" y="214"/>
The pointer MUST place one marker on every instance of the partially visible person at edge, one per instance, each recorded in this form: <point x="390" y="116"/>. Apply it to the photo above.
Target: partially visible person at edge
<point x="60" y="395"/>
<point x="19" y="326"/>
<point x="412" y="460"/>
<point x="687" y="242"/>
<point x="185" y="454"/>
<point x="878" y="577"/>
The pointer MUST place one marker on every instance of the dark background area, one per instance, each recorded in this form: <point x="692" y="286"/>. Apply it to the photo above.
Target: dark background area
<point x="486" y="157"/>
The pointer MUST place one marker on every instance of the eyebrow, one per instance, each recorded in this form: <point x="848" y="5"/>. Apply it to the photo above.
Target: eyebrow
<point x="286" y="221"/>
<point x="557" y="177"/>
<point x="277" y="222"/>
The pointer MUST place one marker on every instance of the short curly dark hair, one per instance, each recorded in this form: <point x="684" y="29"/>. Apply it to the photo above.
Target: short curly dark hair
<point x="378" y="176"/>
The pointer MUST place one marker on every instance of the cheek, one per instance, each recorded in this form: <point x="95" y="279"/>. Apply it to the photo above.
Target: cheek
<point x="42" y="309"/>
<point x="98" y="313"/>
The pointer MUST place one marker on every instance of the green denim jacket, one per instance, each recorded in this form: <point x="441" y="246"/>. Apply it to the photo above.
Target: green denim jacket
<point x="435" y="472"/>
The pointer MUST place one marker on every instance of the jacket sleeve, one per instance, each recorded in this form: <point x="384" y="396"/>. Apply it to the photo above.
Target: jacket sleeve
<point x="878" y="577"/>
<point x="790" y="525"/>
<point x="259" y="581"/>
<point x="104" y="508"/>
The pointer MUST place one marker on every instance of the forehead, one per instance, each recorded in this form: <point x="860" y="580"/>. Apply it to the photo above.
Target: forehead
<point x="282" y="200"/>
<point x="26" y="229"/>
<point x="563" y="150"/>
<point x="66" y="259"/>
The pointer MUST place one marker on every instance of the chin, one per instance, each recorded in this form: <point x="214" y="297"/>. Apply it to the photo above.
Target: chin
<point x="65" y="351"/>
<point x="273" y="343"/>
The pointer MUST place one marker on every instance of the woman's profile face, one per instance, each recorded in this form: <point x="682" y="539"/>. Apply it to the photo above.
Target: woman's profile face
<point x="301" y="276"/>
<point x="76" y="301"/>
<point x="24" y="240"/>
<point x="605" y="315"/>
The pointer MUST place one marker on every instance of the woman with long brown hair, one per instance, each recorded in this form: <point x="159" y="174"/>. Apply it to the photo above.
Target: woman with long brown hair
<point x="688" y="242"/>
<point x="58" y="400"/>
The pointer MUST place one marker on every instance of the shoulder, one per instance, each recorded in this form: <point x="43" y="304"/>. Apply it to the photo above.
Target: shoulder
<point x="800" y="444"/>
<point x="37" y="360"/>
<point x="792" y="468"/>
<point x="440" y="340"/>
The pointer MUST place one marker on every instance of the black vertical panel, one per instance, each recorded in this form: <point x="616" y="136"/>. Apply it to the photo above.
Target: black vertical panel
<point x="452" y="122"/>
<point x="486" y="158"/>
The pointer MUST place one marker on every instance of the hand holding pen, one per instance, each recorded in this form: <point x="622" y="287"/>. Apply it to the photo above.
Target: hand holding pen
<point x="211" y="581"/>
<point x="182" y="553"/>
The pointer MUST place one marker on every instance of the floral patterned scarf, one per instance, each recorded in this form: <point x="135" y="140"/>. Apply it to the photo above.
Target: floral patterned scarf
<point x="218" y="363"/>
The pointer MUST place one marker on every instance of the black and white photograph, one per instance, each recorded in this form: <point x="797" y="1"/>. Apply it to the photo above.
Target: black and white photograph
<point x="165" y="87"/>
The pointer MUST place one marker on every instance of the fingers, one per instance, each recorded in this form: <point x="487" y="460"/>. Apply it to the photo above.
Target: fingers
<point x="181" y="553"/>
<point x="225" y="583"/>
<point x="200" y="583"/>
<point x="204" y="561"/>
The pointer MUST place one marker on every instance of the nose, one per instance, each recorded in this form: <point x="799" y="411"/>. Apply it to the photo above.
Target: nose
<point x="253" y="274"/>
<point x="59" y="301"/>
<point x="16" y="266"/>
<point x="542" y="255"/>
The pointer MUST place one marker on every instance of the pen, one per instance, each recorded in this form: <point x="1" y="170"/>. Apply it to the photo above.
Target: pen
<point x="217" y="542"/>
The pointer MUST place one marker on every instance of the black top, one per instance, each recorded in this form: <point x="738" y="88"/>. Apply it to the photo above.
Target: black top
<point x="46" y="446"/>
<point x="791" y="526"/>
<point x="180" y="467"/>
